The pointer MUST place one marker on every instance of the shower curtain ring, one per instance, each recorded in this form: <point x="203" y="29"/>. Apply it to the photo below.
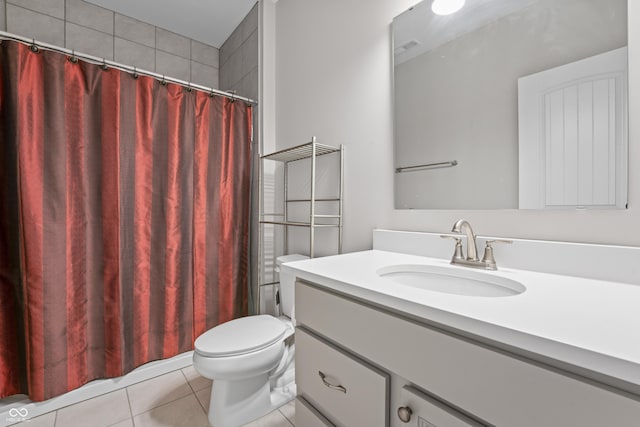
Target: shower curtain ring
<point x="189" y="89"/>
<point x="163" y="82"/>
<point x="34" y="47"/>
<point x="73" y="58"/>
<point x="135" y="73"/>
<point x="104" y="65"/>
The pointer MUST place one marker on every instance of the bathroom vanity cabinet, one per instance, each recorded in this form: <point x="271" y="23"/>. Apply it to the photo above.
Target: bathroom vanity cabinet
<point x="360" y="364"/>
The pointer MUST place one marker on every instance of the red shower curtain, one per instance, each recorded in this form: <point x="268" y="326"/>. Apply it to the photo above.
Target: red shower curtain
<point x="124" y="219"/>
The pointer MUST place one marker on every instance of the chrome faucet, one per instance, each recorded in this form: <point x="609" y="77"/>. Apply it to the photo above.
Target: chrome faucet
<point x="463" y="226"/>
<point x="471" y="260"/>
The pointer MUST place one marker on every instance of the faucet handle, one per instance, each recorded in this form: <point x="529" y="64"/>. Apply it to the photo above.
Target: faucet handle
<point x="492" y="241"/>
<point x="457" y="254"/>
<point x="488" y="258"/>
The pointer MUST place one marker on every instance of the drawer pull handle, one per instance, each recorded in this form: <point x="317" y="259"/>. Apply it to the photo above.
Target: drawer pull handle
<point x="331" y="386"/>
<point x="404" y="413"/>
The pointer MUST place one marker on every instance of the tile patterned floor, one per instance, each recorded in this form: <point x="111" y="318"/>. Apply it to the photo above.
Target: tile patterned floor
<point x="177" y="399"/>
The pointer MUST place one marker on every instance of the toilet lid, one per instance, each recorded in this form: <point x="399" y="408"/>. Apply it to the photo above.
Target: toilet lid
<point x="240" y="336"/>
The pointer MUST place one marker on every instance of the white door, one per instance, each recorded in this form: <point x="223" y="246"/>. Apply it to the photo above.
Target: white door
<point x="572" y="123"/>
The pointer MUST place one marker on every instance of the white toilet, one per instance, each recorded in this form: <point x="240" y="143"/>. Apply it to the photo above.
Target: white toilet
<point x="249" y="362"/>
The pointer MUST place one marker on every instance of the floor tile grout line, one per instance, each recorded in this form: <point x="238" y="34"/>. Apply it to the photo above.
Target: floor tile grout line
<point x="195" y="393"/>
<point x="166" y="403"/>
<point x="126" y="390"/>
<point x="200" y="403"/>
<point x="188" y="382"/>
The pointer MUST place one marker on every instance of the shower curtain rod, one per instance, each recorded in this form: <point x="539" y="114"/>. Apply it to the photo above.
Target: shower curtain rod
<point x="127" y="68"/>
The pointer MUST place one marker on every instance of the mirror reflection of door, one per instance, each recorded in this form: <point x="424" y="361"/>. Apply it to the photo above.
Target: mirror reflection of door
<point x="456" y="99"/>
<point x="573" y="134"/>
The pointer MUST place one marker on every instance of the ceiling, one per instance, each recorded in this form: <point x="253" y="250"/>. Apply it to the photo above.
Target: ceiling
<point x="208" y="21"/>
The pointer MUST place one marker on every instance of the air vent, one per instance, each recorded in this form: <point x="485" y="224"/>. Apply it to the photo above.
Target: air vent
<point x="406" y="46"/>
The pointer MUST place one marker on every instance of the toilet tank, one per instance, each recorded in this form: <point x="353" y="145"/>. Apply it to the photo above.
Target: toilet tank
<point x="287" y="283"/>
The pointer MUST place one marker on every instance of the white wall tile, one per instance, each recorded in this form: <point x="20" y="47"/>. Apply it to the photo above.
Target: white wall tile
<point x="53" y="8"/>
<point x="204" y="75"/>
<point x="27" y="23"/>
<point x="173" y="43"/>
<point x="89" y="41"/>
<point x="204" y="53"/>
<point x="88" y="15"/>
<point x="134" y="30"/>
<point x="137" y="55"/>
<point x="173" y="66"/>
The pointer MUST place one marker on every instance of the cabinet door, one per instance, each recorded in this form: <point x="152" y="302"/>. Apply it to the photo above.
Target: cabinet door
<point x="308" y="416"/>
<point x="417" y="409"/>
<point x="344" y="389"/>
<point x="493" y="385"/>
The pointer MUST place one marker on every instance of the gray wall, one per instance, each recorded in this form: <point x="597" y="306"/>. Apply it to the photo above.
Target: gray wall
<point x="3" y="20"/>
<point x="239" y="58"/>
<point x="90" y="29"/>
<point x="465" y="107"/>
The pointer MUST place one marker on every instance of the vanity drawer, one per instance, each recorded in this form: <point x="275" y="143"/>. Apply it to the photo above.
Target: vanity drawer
<point x="345" y="390"/>
<point x="428" y="412"/>
<point x="495" y="387"/>
<point x="308" y="416"/>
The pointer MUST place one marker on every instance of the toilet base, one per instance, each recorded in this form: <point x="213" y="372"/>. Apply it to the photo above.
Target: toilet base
<point x="234" y="403"/>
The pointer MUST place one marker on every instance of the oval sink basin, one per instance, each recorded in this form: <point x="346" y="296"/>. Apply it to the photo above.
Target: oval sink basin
<point x="451" y="281"/>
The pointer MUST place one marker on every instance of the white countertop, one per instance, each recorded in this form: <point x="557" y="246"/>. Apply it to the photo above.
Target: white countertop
<point x="586" y="323"/>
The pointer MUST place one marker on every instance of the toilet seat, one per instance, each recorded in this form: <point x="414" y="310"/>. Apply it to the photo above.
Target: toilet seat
<point x="240" y="336"/>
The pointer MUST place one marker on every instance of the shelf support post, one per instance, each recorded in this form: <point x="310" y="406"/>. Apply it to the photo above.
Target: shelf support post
<point x="312" y="219"/>
<point x="341" y="197"/>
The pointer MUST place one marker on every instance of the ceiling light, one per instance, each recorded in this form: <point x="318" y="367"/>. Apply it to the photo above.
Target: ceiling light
<point x="446" y="7"/>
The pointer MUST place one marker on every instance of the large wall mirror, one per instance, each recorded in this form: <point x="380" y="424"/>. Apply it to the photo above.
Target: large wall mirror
<point x="509" y="104"/>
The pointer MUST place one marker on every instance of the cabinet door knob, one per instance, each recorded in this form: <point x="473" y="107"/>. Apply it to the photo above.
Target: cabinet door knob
<point x="404" y="413"/>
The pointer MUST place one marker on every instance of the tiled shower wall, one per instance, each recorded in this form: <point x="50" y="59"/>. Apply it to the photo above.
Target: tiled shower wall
<point x="82" y="26"/>
<point x="239" y="72"/>
<point x="76" y="24"/>
<point x="239" y="58"/>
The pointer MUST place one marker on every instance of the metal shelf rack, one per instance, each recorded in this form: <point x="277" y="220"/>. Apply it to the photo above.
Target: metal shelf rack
<point x="310" y="150"/>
